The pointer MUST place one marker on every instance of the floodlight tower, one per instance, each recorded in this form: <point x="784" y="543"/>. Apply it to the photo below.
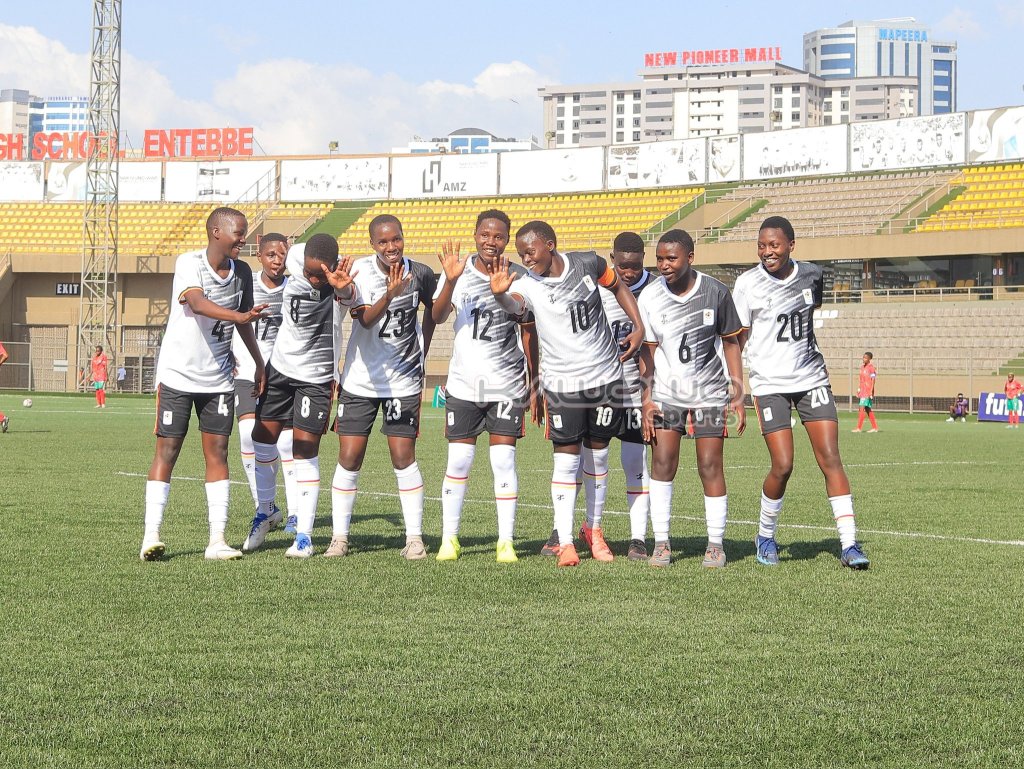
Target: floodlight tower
<point x="98" y="300"/>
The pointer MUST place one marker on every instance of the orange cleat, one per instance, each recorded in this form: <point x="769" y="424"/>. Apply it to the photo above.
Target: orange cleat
<point x="567" y="555"/>
<point x="594" y="538"/>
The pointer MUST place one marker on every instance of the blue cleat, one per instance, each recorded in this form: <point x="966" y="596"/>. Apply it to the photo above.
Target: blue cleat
<point x="767" y="550"/>
<point x="291" y="524"/>
<point x="854" y="558"/>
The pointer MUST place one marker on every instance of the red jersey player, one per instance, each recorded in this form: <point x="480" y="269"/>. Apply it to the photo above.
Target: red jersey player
<point x="1013" y="389"/>
<point x="866" y="393"/>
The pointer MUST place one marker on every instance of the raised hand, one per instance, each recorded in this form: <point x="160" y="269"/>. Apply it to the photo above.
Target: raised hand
<point x="396" y="281"/>
<point x="339" y="277"/>
<point x="501" y="278"/>
<point x="452" y="264"/>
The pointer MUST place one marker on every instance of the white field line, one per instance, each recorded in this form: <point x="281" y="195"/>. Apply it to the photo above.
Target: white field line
<point x="804" y="527"/>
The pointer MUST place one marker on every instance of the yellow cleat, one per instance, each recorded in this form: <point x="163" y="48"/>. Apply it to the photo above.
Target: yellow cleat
<point x="450" y="549"/>
<point x="506" y="552"/>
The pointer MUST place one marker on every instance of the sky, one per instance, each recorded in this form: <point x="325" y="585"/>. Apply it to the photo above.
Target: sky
<point x="374" y="75"/>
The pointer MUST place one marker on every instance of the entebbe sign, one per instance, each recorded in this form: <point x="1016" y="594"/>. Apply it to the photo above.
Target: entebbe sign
<point x="156" y="143"/>
<point x="706" y="56"/>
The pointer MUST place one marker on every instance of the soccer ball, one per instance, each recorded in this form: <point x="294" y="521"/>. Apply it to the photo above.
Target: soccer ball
<point x="27" y="403"/>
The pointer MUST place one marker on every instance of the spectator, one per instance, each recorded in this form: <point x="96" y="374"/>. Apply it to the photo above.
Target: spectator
<point x="959" y="409"/>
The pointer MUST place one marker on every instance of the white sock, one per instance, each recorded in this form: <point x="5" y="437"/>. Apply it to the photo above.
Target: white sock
<point x="410" y="489"/>
<point x="453" y="490"/>
<point x="291" y="486"/>
<point x="343" y="499"/>
<point x="156" y="500"/>
<point x="842" y="511"/>
<point x="506" y="487"/>
<point x="661" y="508"/>
<point x="217" y="504"/>
<point x="266" y="476"/>
<point x="634" y="465"/>
<point x="563" y="494"/>
<point x="245" y="427"/>
<point x="307" y="475"/>
<point x="595" y="481"/>
<point x="715" y="513"/>
<point x="770" y="509"/>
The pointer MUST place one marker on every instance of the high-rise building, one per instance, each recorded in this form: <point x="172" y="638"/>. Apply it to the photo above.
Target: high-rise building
<point x="899" y="47"/>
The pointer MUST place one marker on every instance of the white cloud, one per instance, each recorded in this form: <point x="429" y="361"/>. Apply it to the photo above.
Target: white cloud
<point x="1012" y="15"/>
<point x="959" y="24"/>
<point x="295" y="106"/>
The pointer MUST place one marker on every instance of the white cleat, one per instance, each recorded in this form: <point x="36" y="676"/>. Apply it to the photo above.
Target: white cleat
<point x="221" y="551"/>
<point x="302" y="547"/>
<point x="261" y="526"/>
<point x="152" y="550"/>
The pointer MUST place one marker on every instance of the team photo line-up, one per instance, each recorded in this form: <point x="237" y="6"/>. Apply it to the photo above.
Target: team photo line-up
<point x="590" y="349"/>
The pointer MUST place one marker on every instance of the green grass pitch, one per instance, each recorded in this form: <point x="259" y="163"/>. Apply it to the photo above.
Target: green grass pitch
<point x="372" y="661"/>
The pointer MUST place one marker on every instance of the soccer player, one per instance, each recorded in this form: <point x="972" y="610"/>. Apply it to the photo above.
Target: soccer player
<point x="866" y="393"/>
<point x="384" y="370"/>
<point x="212" y="298"/>
<point x="581" y="369"/>
<point x="1012" y="389"/>
<point x="627" y="259"/>
<point x="268" y="288"/>
<point x="776" y="301"/>
<point x="300" y="387"/>
<point x="487" y="380"/>
<point x="690" y="360"/>
<point x="98" y="366"/>
<point x="5" y="421"/>
<point x="959" y="409"/>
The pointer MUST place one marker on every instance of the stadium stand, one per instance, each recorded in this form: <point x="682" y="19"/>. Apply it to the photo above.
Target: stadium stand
<point x="582" y="221"/>
<point x="144" y="228"/>
<point x="993" y="196"/>
<point x="938" y="336"/>
<point x="822" y="207"/>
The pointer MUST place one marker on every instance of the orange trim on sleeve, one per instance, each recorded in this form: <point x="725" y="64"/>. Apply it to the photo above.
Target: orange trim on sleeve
<point x="352" y="312"/>
<point x="651" y="344"/>
<point x="181" y="296"/>
<point x="734" y="333"/>
<point x="609" y="279"/>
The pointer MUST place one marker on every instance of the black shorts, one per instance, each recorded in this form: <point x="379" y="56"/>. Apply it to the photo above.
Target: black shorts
<point x="707" y="422"/>
<point x="216" y="412"/>
<point x="356" y="415"/>
<point x="464" y="419"/>
<point x="631" y="432"/>
<point x="773" y="411"/>
<point x="302" y="405"/>
<point x="245" y="401"/>
<point x="571" y="417"/>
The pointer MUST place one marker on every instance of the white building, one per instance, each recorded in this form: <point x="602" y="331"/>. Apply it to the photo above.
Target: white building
<point x="899" y="47"/>
<point x="467" y="141"/>
<point x="681" y="101"/>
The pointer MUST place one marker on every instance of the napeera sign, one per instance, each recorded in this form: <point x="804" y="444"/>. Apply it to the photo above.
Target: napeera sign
<point x="156" y="143"/>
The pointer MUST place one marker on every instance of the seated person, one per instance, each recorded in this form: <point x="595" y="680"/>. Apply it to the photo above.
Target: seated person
<point x="959" y="409"/>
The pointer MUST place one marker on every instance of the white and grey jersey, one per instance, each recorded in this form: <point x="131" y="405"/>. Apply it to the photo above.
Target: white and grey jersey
<point x="265" y="328"/>
<point x="195" y="355"/>
<point x="782" y="355"/>
<point x="578" y="350"/>
<point x="622" y="327"/>
<point x="687" y="332"/>
<point x="305" y="348"/>
<point x="488" y="363"/>
<point x="386" y="360"/>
